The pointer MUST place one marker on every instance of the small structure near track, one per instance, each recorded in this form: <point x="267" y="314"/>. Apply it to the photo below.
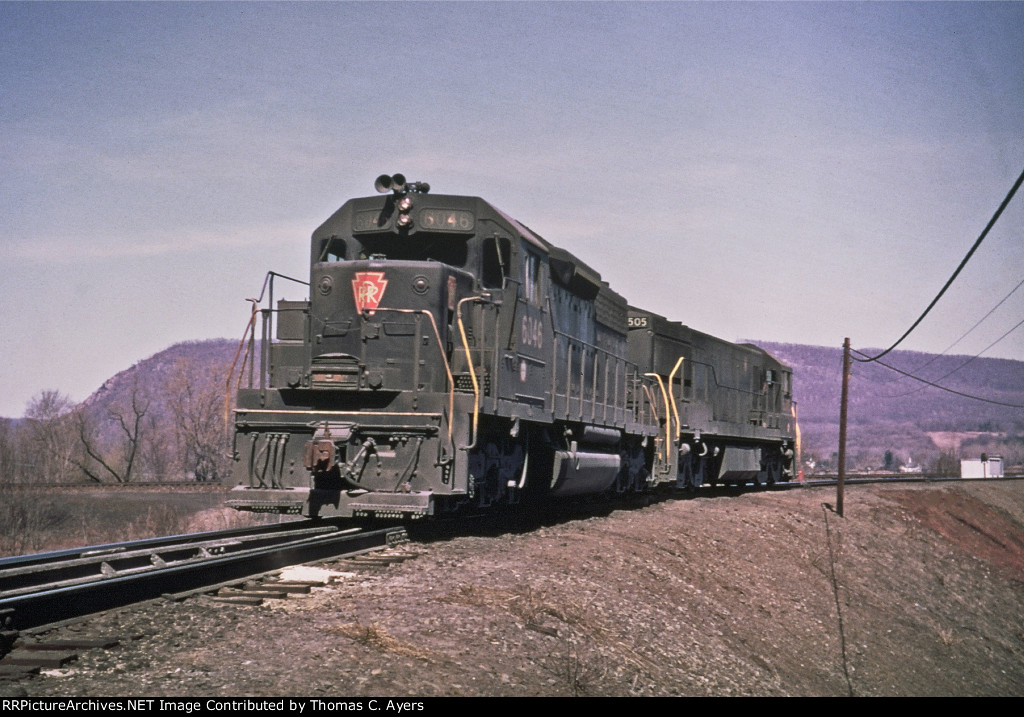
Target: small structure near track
<point x="984" y="467"/>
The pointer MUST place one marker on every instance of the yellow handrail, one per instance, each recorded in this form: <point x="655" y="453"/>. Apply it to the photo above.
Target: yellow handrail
<point x="668" y="416"/>
<point x="799" y="470"/>
<point x="675" y="411"/>
<point x="472" y="371"/>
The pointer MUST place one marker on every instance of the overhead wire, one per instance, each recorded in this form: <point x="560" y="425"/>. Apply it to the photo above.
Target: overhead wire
<point x="976" y="325"/>
<point x="964" y="335"/>
<point x="935" y="385"/>
<point x="950" y="373"/>
<point x="963" y="263"/>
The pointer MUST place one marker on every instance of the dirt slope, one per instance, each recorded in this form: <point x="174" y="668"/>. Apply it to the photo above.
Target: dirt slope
<point x="918" y="591"/>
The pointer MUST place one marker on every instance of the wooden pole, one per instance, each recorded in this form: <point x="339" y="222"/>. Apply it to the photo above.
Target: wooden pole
<point x="842" y="427"/>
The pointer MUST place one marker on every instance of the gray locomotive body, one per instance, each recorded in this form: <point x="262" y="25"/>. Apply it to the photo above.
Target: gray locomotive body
<point x="449" y="358"/>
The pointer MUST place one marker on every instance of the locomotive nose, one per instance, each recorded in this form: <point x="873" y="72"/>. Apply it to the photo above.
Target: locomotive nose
<point x="381" y="326"/>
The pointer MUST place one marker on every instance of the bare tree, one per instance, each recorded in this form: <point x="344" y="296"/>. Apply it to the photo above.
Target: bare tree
<point x="117" y="461"/>
<point x="51" y="436"/>
<point x="195" y="398"/>
<point x="157" y="448"/>
<point x="10" y="453"/>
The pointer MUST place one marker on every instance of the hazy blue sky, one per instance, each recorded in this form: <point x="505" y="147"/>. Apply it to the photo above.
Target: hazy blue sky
<point x="790" y="172"/>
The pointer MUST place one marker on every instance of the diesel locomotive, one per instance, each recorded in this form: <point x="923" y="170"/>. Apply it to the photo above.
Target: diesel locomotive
<point x="450" y="359"/>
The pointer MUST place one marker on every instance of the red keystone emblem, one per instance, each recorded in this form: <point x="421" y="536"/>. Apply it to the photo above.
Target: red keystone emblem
<point x="368" y="288"/>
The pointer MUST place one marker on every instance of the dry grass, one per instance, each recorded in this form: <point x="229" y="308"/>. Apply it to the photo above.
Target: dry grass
<point x="378" y="638"/>
<point x="34" y="521"/>
<point x="29" y="522"/>
<point x="224" y="519"/>
<point x="578" y="656"/>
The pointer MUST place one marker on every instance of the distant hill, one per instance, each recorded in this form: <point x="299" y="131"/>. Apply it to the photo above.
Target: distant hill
<point x="174" y="403"/>
<point x="207" y="360"/>
<point x="162" y="419"/>
<point x="887" y="412"/>
<point x="890" y="412"/>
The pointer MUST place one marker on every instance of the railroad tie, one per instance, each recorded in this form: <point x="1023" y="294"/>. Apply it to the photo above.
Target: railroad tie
<point x="17" y="672"/>
<point x="47" y="659"/>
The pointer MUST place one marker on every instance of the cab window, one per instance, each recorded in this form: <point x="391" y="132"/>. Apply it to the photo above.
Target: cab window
<point x="332" y="249"/>
<point x="531" y="277"/>
<point x="497" y="260"/>
<point x="436" y="247"/>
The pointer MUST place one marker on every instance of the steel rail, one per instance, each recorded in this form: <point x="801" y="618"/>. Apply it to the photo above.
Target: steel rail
<point x="98" y="564"/>
<point x="57" y="556"/>
<point x="882" y="479"/>
<point x="191" y="570"/>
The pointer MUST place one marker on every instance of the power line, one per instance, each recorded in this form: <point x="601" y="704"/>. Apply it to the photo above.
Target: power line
<point x="964" y="335"/>
<point x="935" y="385"/>
<point x="991" y="223"/>
<point x="950" y="373"/>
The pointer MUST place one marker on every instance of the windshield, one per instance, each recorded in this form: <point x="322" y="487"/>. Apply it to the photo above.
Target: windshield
<point x="444" y="249"/>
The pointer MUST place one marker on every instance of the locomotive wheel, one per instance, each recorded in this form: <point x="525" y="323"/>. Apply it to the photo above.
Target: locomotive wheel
<point x="687" y="475"/>
<point x="712" y="474"/>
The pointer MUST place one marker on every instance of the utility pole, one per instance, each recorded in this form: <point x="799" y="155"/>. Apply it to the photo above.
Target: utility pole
<point x="842" y="427"/>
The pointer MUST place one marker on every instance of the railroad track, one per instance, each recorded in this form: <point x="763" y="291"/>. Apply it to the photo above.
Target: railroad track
<point x="46" y="588"/>
<point x="861" y="479"/>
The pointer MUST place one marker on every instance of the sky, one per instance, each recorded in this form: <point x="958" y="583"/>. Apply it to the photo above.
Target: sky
<point x="794" y="172"/>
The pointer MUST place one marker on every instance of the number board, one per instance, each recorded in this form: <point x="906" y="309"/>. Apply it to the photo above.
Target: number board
<point x="447" y="220"/>
<point x="370" y="221"/>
